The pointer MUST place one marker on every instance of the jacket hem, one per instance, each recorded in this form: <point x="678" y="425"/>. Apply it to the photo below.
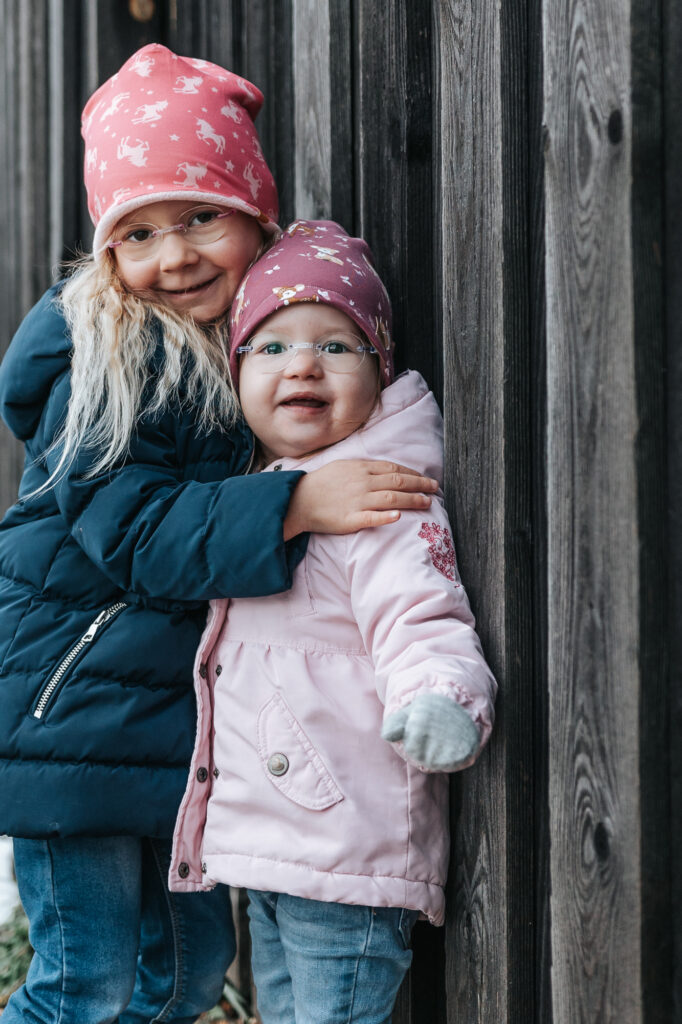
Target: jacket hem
<point x="250" y="872"/>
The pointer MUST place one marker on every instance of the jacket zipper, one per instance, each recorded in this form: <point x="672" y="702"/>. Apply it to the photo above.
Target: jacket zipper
<point x="56" y="677"/>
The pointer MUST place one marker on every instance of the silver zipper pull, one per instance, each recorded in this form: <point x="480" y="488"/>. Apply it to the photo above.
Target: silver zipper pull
<point x="94" y="626"/>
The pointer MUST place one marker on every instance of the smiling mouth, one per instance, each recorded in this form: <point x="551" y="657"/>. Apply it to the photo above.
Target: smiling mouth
<point x="193" y="290"/>
<point x="304" y="402"/>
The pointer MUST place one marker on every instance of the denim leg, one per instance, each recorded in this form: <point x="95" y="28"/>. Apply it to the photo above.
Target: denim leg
<point x="345" y="963"/>
<point x="82" y="899"/>
<point x="268" y="963"/>
<point x="187" y="942"/>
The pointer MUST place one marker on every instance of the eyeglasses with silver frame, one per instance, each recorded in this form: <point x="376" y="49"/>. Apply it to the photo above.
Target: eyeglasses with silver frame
<point x="200" y="225"/>
<point x="339" y="353"/>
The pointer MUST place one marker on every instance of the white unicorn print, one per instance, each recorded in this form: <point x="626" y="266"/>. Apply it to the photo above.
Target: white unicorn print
<point x="247" y="90"/>
<point x="119" y="194"/>
<point x="136" y="154"/>
<point x="116" y="102"/>
<point x="233" y="111"/>
<point x="254" y="181"/>
<point x="91" y="159"/>
<point x="143" y="66"/>
<point x="206" y="133"/>
<point x="150" y="112"/>
<point x="192" y="173"/>
<point x="188" y="84"/>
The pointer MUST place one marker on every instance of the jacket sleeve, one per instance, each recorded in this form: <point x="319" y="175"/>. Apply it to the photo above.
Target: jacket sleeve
<point x="414" y="616"/>
<point x="157" y="535"/>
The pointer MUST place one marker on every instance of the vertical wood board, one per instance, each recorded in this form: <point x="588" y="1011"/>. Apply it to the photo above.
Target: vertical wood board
<point x="312" y="109"/>
<point x="394" y="172"/>
<point x="591" y="513"/>
<point x="470" y="283"/>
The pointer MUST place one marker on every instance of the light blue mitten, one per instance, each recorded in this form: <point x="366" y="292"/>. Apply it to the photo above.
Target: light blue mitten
<point x="437" y="734"/>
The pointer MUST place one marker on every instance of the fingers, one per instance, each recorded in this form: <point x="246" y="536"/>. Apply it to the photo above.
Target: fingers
<point x="400" y="478"/>
<point x="399" y="499"/>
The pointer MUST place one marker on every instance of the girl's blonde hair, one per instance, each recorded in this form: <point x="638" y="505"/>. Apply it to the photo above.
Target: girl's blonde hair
<point x="114" y="380"/>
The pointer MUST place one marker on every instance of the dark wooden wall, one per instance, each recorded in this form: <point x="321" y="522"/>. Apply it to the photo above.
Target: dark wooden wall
<point x="516" y="169"/>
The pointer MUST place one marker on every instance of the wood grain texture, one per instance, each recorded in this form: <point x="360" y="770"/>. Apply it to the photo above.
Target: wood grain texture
<point x="312" y="109"/>
<point x="593" y="592"/>
<point x="394" y="174"/>
<point x="648" y="228"/>
<point x="471" y="285"/>
<point x="25" y="262"/>
<point x="672" y="95"/>
<point x="265" y="52"/>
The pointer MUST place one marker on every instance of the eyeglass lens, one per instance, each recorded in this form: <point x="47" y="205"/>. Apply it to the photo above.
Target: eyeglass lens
<point x="343" y="353"/>
<point x="200" y="226"/>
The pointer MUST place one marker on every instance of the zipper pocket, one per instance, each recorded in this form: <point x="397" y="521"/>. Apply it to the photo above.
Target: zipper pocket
<point x="55" y="679"/>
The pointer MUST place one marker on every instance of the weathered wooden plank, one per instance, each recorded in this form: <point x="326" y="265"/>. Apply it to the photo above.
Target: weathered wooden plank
<point x="650" y="453"/>
<point x="26" y="249"/>
<point x="471" y="285"/>
<point x="394" y="187"/>
<point x="66" y="174"/>
<point x="265" y="53"/>
<point x="201" y="28"/>
<point x="593" y="586"/>
<point x="672" y="93"/>
<point x="312" y="108"/>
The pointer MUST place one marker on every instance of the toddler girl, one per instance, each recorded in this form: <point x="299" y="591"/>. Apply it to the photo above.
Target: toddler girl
<point x="325" y="711"/>
<point x="131" y="515"/>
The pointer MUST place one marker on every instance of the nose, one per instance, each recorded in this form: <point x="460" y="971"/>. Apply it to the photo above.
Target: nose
<point x="175" y="251"/>
<point x="304" y="363"/>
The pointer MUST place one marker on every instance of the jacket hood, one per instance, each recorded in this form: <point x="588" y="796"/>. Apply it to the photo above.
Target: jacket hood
<point x="39" y="353"/>
<point x="406" y="427"/>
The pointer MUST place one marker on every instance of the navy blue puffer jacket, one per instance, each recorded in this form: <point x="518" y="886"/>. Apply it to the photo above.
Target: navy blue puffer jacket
<point x="103" y="584"/>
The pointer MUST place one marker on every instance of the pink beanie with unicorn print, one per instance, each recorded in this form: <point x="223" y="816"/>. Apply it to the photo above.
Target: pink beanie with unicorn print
<point x="170" y="127"/>
<point x="315" y="261"/>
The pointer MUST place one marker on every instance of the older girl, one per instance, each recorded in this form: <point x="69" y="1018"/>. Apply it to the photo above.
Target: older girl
<point x="132" y="513"/>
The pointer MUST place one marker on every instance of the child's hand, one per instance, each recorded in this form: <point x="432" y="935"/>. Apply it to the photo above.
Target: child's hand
<point x="344" y="497"/>
<point x="437" y="734"/>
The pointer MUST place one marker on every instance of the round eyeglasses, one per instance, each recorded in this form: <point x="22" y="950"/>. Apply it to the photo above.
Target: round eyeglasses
<point x="200" y="226"/>
<point x="342" y="353"/>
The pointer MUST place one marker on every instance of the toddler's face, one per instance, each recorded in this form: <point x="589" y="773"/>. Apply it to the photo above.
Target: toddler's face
<point x="305" y="406"/>
<point x="200" y="280"/>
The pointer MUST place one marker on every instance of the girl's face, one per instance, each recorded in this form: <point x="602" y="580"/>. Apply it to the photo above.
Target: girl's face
<point x="199" y="280"/>
<point x="305" y="406"/>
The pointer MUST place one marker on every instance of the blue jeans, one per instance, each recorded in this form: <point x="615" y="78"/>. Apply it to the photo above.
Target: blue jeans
<point x="111" y="943"/>
<point x="327" y="963"/>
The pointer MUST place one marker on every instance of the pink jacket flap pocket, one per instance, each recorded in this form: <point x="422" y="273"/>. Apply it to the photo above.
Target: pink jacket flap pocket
<point x="290" y="761"/>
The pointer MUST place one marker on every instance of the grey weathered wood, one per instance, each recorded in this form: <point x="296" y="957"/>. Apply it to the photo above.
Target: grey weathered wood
<point x="394" y="180"/>
<point x="469" y="279"/>
<point x="312" y="108"/>
<point x="672" y="40"/>
<point x="26" y="257"/>
<point x="593" y="591"/>
<point x="265" y="57"/>
<point x="201" y="28"/>
<point x="648" y="231"/>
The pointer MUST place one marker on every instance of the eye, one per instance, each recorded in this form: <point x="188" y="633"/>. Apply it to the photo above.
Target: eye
<point x="139" y="234"/>
<point x="201" y="217"/>
<point x="335" y="347"/>
<point x="268" y="348"/>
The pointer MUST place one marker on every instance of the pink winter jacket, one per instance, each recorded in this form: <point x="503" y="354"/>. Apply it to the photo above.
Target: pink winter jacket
<point x="291" y="787"/>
